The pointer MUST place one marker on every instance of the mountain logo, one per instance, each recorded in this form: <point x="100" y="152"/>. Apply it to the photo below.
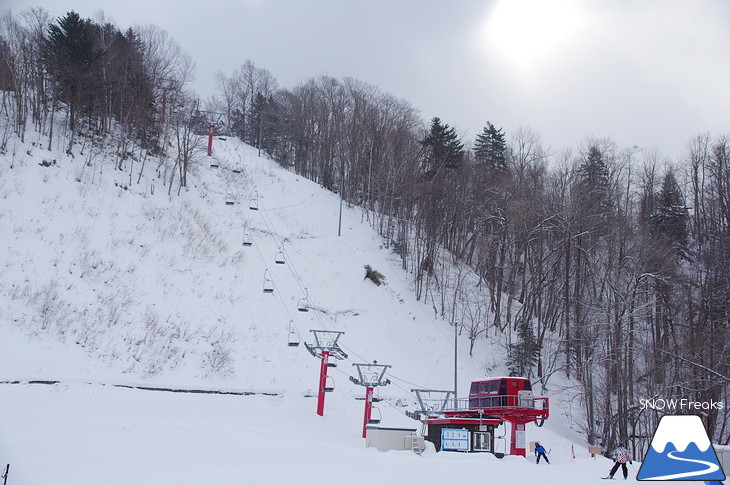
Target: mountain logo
<point x="681" y="450"/>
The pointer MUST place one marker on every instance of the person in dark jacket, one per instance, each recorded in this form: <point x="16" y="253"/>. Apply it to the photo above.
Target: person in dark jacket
<point x="540" y="452"/>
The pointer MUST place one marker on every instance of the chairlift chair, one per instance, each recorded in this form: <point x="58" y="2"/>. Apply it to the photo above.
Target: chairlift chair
<point x="253" y="204"/>
<point x="279" y="257"/>
<point x="293" y="339"/>
<point x="329" y="384"/>
<point x="230" y="198"/>
<point x="247" y="239"/>
<point x="375" y="416"/>
<point x="237" y="168"/>
<point x="268" y="282"/>
<point x="213" y="163"/>
<point x="303" y="305"/>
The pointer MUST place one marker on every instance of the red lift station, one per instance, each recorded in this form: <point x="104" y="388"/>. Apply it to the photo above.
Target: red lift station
<point x="468" y="424"/>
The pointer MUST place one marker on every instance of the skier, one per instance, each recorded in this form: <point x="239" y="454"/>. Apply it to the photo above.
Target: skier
<point x="540" y="452"/>
<point x="621" y="455"/>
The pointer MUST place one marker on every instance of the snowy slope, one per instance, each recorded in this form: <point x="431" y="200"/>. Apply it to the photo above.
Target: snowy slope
<point x="105" y="281"/>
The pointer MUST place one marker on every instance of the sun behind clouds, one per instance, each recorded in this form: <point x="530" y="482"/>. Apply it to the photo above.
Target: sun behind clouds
<point x="531" y="32"/>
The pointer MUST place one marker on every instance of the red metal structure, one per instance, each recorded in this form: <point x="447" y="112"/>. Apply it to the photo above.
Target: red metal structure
<point x="370" y="376"/>
<point x="368" y="410"/>
<point x="325" y="348"/>
<point x="323" y="382"/>
<point x="491" y="402"/>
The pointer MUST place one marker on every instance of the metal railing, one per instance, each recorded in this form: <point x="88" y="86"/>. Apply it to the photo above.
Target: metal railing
<point x="474" y="403"/>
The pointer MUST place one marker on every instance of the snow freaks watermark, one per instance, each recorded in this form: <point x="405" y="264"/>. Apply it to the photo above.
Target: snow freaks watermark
<point x="681" y="450"/>
<point x="685" y="405"/>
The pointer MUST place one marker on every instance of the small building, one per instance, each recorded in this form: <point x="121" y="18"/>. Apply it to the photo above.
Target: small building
<point x="462" y="434"/>
<point x="386" y="439"/>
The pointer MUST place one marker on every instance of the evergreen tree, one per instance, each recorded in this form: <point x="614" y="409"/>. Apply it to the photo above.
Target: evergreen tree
<point x="266" y="111"/>
<point x="490" y="148"/>
<point x="238" y="124"/>
<point x="670" y="217"/>
<point x="592" y="188"/>
<point x="523" y="353"/>
<point x="443" y="148"/>
<point x="71" y="59"/>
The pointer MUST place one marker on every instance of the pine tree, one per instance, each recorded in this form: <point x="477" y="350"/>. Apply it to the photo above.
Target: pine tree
<point x="523" y="354"/>
<point x="490" y="148"/>
<point x="444" y="149"/>
<point x="592" y="189"/>
<point x="71" y="59"/>
<point x="670" y="217"/>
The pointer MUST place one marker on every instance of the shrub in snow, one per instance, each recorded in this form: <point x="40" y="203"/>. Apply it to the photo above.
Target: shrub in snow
<point x="373" y="275"/>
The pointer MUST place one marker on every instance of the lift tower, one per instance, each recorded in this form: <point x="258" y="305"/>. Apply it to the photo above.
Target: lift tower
<point x="370" y="376"/>
<point x="324" y="347"/>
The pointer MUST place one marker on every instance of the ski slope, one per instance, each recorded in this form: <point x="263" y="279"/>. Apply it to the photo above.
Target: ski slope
<point x="109" y="282"/>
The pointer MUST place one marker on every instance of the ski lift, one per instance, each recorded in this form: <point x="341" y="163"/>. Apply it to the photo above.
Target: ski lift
<point x="279" y="257"/>
<point x="230" y="198"/>
<point x="329" y="384"/>
<point x="237" y="168"/>
<point x="268" y="282"/>
<point x="247" y="239"/>
<point x="303" y="303"/>
<point x="375" y="416"/>
<point x="293" y="336"/>
<point x="253" y="204"/>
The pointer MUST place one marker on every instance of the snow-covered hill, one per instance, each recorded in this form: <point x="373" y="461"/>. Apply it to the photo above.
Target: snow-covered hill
<point x="107" y="281"/>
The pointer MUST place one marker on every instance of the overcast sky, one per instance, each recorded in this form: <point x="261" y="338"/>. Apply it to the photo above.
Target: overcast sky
<point x="650" y="73"/>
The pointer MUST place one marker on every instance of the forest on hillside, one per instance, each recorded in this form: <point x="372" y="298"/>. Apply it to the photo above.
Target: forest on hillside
<point x="610" y="265"/>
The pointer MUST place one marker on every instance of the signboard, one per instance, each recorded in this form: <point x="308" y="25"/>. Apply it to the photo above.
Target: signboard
<point x="520" y="436"/>
<point x="455" y="439"/>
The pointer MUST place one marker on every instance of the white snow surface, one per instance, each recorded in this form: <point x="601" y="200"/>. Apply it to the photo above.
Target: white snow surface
<point x="104" y="283"/>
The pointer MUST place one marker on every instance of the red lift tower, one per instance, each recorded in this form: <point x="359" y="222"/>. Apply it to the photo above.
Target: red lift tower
<point x="215" y="120"/>
<point x="370" y="376"/>
<point x="325" y="348"/>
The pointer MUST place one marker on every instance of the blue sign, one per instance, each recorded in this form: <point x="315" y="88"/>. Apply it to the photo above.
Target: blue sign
<point x="455" y="439"/>
<point x="681" y="450"/>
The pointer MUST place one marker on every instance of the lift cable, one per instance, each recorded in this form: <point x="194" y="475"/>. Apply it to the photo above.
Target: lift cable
<point x="271" y="229"/>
